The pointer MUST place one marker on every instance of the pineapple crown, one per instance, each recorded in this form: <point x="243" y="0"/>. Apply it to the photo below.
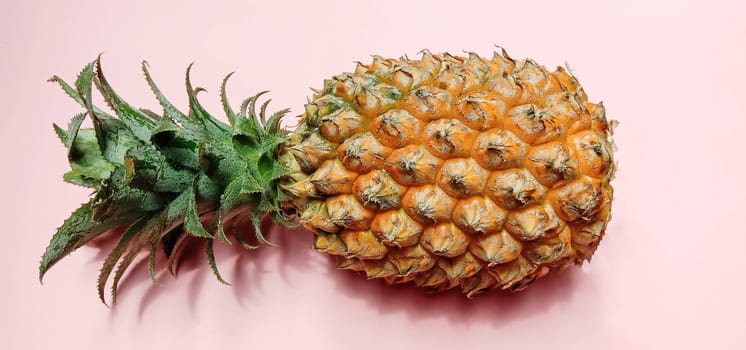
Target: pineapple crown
<point x="162" y="178"/>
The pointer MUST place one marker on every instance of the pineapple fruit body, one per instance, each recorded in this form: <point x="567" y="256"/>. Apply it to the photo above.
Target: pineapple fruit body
<point x="453" y="171"/>
<point x="444" y="172"/>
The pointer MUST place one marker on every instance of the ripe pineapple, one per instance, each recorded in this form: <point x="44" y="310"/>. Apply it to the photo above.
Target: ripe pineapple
<point x="444" y="172"/>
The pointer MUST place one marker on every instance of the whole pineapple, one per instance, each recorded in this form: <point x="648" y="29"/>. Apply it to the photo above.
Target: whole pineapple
<point x="444" y="172"/>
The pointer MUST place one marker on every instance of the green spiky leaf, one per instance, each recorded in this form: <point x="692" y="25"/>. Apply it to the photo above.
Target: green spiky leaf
<point x="169" y="109"/>
<point x="192" y="222"/>
<point x="70" y="91"/>
<point x="138" y="122"/>
<point x="77" y="230"/>
<point x="164" y="176"/>
<point x="84" y="81"/>
<point x="256" y="221"/>
<point x="89" y="167"/>
<point x="212" y="126"/>
<point x="224" y="100"/>
<point x="231" y="198"/>
<point x="116" y="253"/>
<point x="68" y="136"/>
<point x="151" y="261"/>
<point x="124" y="264"/>
<point x="213" y="264"/>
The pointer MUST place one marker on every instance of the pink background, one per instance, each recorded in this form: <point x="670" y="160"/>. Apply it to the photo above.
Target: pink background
<point x="669" y="274"/>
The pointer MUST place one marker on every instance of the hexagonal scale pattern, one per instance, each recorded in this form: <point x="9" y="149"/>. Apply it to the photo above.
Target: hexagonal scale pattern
<point x="451" y="171"/>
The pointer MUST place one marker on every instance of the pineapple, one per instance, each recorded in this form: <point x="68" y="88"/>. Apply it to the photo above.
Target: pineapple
<point x="443" y="172"/>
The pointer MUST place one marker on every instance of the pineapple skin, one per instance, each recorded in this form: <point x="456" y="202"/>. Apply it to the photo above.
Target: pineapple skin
<point x="450" y="171"/>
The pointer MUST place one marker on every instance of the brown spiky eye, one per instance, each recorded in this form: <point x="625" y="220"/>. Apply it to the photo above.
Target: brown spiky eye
<point x="448" y="138"/>
<point x="496" y="149"/>
<point x="512" y="189"/>
<point x="553" y="164"/>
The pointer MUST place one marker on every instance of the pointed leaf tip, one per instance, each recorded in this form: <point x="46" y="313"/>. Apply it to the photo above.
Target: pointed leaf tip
<point x="139" y="123"/>
<point x="224" y="99"/>
<point x="256" y="220"/>
<point x="116" y="253"/>
<point x="61" y="134"/>
<point x="151" y="262"/>
<point x="77" y="230"/>
<point x="167" y="106"/>
<point x="213" y="264"/>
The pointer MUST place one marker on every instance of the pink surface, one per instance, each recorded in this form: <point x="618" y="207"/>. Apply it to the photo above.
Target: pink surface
<point x="668" y="275"/>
